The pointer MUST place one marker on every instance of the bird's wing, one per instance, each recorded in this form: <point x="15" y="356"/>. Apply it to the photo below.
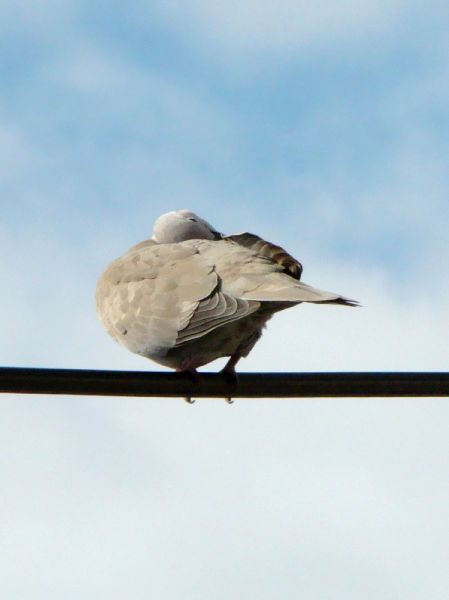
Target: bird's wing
<point x="289" y="265"/>
<point x="249" y="275"/>
<point x="158" y="296"/>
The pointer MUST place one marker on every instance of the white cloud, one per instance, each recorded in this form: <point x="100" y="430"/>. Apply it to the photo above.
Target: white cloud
<point x="285" y="26"/>
<point x="17" y="154"/>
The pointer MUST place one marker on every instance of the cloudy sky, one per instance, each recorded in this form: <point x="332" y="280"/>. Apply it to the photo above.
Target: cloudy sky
<point x="321" y="126"/>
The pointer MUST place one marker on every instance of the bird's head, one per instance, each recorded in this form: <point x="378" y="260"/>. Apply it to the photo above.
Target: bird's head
<point x="181" y="225"/>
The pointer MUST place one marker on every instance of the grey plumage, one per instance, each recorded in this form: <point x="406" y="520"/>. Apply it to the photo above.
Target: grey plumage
<point x="190" y="300"/>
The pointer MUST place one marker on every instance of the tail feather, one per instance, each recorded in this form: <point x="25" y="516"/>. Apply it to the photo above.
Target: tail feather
<point x="273" y="288"/>
<point x="342" y="301"/>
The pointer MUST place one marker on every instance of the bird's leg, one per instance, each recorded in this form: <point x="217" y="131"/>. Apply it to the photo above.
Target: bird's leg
<point x="230" y="375"/>
<point x="194" y="376"/>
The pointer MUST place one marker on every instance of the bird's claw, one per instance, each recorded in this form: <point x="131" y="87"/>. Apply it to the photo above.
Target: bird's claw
<point x="229" y="374"/>
<point x="194" y="378"/>
<point x="232" y="380"/>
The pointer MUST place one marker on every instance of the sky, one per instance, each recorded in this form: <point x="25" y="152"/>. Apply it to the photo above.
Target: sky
<point x="323" y="128"/>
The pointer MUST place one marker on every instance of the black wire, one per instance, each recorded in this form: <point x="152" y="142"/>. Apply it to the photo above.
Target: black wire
<point x="18" y="380"/>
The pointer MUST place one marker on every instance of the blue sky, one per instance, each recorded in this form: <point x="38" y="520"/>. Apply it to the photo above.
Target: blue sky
<point x="323" y="128"/>
<point x="136" y="110"/>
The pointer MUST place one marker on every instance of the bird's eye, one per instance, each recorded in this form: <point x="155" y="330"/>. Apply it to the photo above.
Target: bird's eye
<point x="192" y="219"/>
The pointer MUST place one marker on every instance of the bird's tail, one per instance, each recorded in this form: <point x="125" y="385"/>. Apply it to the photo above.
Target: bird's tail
<point x="343" y="301"/>
<point x="277" y="287"/>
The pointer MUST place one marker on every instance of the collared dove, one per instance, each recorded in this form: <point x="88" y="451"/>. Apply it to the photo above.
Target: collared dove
<point x="190" y="295"/>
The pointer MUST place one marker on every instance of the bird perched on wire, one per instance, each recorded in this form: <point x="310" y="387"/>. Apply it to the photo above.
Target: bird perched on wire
<point x="190" y="294"/>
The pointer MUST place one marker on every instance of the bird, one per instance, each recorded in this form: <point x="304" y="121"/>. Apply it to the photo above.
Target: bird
<point x="190" y="294"/>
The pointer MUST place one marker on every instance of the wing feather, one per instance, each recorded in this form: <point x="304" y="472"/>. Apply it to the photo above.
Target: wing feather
<point x="262" y="247"/>
<point x="204" y="321"/>
<point x="249" y="275"/>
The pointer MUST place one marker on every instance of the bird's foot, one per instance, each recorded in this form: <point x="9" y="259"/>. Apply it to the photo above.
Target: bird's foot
<point x="195" y="378"/>
<point x="232" y="379"/>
